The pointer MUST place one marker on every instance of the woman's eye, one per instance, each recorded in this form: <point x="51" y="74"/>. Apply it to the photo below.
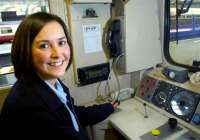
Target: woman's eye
<point x="44" y="46"/>
<point x="62" y="42"/>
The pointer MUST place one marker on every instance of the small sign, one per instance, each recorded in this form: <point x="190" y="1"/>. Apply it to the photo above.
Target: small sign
<point x="92" y="38"/>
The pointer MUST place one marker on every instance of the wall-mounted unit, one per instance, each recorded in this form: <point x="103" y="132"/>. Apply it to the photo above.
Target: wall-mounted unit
<point x="141" y="44"/>
<point x="86" y="23"/>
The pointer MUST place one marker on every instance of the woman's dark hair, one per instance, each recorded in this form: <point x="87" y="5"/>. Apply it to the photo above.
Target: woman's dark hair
<point x="21" y="52"/>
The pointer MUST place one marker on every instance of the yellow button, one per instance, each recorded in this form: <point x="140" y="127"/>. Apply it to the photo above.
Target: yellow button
<point x="155" y="132"/>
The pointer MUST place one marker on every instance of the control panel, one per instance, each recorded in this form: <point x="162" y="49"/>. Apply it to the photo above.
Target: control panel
<point x="167" y="131"/>
<point x="176" y="100"/>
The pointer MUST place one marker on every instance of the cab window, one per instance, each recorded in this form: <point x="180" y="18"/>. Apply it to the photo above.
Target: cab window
<point x="182" y="33"/>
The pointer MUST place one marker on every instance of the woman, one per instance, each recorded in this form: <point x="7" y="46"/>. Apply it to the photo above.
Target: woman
<point x="39" y="104"/>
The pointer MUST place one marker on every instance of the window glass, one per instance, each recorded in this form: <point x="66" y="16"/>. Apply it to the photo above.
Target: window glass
<point x="184" y="35"/>
<point x="21" y="8"/>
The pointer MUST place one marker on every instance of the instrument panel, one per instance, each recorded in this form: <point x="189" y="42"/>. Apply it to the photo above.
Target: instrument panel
<point x="178" y="101"/>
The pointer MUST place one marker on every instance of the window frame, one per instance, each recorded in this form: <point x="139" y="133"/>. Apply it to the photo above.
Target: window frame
<point x="167" y="40"/>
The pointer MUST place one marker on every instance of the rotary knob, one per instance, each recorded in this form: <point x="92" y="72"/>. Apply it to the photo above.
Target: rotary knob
<point x="172" y="74"/>
<point x="172" y="122"/>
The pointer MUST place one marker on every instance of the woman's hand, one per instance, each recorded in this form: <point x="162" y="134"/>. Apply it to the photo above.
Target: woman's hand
<point x="115" y="103"/>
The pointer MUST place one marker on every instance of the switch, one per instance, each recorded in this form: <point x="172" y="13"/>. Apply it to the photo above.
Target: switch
<point x="172" y="74"/>
<point x="155" y="133"/>
<point x="145" y="111"/>
<point x="90" y="12"/>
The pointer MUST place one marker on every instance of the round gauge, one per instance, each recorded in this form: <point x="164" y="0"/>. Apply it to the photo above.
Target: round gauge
<point x="161" y="98"/>
<point x="182" y="103"/>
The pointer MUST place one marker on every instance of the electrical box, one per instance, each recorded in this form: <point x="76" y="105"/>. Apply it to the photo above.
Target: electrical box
<point x="87" y="24"/>
<point x="141" y="44"/>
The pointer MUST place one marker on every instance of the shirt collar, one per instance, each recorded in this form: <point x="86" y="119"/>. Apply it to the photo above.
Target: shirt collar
<point x="58" y="90"/>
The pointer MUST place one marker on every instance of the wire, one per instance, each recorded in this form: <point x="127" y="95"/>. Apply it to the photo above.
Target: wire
<point x="115" y="70"/>
<point x="98" y="86"/>
<point x="116" y="62"/>
<point x="116" y="76"/>
<point x="102" y="98"/>
<point x="107" y="90"/>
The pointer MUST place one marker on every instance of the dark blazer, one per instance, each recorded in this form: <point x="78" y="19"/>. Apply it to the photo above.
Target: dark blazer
<point x="32" y="110"/>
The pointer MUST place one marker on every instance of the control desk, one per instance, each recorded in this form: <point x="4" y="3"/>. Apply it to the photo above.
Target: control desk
<point x="162" y="109"/>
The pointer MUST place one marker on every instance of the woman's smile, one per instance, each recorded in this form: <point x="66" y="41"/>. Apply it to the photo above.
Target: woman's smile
<point x="56" y="64"/>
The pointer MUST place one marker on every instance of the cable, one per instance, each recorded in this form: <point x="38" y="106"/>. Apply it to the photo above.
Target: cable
<point x="116" y="62"/>
<point x="108" y="91"/>
<point x="108" y="94"/>
<point x="98" y="88"/>
<point x="115" y="70"/>
<point x="102" y="98"/>
<point x="99" y="97"/>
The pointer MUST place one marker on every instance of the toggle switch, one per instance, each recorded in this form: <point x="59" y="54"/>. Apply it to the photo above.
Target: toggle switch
<point x="145" y="111"/>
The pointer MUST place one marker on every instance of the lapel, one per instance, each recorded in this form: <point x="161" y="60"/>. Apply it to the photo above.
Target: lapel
<point x="69" y="98"/>
<point x="42" y="90"/>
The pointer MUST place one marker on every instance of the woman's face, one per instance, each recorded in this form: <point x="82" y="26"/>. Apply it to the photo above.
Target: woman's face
<point x="50" y="52"/>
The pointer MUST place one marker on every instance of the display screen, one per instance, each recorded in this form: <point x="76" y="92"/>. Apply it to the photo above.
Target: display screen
<point x="6" y="30"/>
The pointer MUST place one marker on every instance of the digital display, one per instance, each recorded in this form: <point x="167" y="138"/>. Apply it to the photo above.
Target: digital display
<point x="94" y="73"/>
<point x="6" y="30"/>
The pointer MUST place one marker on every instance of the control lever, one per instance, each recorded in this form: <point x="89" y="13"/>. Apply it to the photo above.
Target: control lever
<point x="145" y="110"/>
